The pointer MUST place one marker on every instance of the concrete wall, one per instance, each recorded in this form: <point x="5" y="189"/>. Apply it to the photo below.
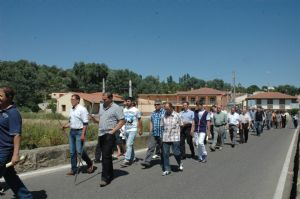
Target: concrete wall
<point x="59" y="155"/>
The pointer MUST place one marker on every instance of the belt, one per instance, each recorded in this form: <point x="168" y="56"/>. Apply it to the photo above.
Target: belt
<point x="219" y="125"/>
<point x="232" y="125"/>
<point x="76" y="129"/>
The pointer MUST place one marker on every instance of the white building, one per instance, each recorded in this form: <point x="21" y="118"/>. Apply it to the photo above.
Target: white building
<point x="273" y="100"/>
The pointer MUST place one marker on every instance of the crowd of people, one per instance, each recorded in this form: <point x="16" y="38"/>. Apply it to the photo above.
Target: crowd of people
<point x="119" y="127"/>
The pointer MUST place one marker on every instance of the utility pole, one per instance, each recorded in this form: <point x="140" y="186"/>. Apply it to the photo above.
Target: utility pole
<point x="130" y="89"/>
<point x="233" y="78"/>
<point x="103" y="85"/>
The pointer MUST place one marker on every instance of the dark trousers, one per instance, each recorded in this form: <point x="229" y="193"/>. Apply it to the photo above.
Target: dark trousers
<point x="12" y="179"/>
<point x="98" y="150"/>
<point x="185" y="134"/>
<point x="107" y="142"/>
<point x="295" y="123"/>
<point x="244" y="131"/>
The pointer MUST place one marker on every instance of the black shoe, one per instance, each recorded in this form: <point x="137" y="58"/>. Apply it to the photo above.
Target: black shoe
<point x="145" y="164"/>
<point x="103" y="183"/>
<point x="212" y="148"/>
<point x="232" y="145"/>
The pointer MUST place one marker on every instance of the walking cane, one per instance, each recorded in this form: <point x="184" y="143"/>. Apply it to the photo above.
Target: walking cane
<point x="79" y="162"/>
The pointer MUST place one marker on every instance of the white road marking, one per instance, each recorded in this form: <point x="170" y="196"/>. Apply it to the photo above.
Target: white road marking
<point x="284" y="172"/>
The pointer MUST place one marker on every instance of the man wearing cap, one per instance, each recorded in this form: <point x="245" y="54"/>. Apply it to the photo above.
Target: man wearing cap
<point x="156" y="130"/>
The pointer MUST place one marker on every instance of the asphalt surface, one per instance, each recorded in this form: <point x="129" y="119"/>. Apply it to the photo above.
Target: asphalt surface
<point x="249" y="170"/>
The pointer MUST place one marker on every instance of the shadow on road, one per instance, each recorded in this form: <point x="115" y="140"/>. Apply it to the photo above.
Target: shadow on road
<point x="119" y="173"/>
<point x="39" y="194"/>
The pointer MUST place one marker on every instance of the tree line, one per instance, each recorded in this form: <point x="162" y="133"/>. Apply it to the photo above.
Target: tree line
<point x="33" y="82"/>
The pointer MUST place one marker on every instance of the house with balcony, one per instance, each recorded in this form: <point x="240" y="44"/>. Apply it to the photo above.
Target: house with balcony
<point x="273" y="101"/>
<point x="207" y="96"/>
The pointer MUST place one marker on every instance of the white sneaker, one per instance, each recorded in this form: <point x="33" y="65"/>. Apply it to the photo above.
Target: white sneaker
<point x="181" y="166"/>
<point x="155" y="156"/>
<point x="166" y="173"/>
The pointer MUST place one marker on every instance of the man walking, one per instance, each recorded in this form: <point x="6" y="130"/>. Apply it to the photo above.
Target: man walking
<point x="233" y="125"/>
<point x="258" y="120"/>
<point x="10" y="140"/>
<point x="78" y="122"/>
<point x="171" y="138"/>
<point x="219" y="121"/>
<point x="156" y="130"/>
<point x="133" y="125"/>
<point x="187" y="117"/>
<point x="245" y="126"/>
<point x="200" y="126"/>
<point x="111" y="119"/>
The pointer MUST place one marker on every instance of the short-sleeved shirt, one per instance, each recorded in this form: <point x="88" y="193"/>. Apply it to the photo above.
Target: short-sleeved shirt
<point x="131" y="115"/>
<point x="109" y="118"/>
<point x="10" y="125"/>
<point x="219" y="119"/>
<point x="157" y="123"/>
<point x="233" y="119"/>
<point x="171" y="127"/>
<point x="78" y="117"/>
<point x="187" y="116"/>
<point x="245" y="118"/>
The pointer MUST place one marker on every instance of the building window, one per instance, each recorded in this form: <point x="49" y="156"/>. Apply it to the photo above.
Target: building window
<point x="202" y="100"/>
<point x="258" y="101"/>
<point x="294" y="101"/>
<point x="63" y="108"/>
<point x="192" y="100"/>
<point x="212" y="100"/>
<point x="282" y="101"/>
<point x="183" y="99"/>
<point x="270" y="101"/>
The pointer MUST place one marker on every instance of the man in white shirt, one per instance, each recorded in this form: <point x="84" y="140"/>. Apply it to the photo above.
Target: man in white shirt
<point x="245" y="125"/>
<point x="233" y="125"/>
<point x="78" y="122"/>
<point x="133" y="125"/>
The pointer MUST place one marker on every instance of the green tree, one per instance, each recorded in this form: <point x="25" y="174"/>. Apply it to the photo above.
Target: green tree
<point x="251" y="89"/>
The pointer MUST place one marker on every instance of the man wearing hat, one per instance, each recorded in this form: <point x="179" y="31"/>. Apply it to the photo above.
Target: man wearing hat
<point x="156" y="129"/>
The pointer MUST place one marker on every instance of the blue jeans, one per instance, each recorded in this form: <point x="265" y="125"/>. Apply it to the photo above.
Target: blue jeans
<point x="130" y="136"/>
<point x="11" y="177"/>
<point x="166" y="154"/>
<point x="75" y="145"/>
<point x="258" y="127"/>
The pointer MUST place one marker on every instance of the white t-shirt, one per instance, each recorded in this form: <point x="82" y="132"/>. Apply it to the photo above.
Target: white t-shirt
<point x="208" y="116"/>
<point x="233" y="118"/>
<point x="131" y="116"/>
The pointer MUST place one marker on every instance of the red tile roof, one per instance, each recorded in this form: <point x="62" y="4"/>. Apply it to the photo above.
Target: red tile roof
<point x="271" y="95"/>
<point x="202" y="91"/>
<point x="97" y="97"/>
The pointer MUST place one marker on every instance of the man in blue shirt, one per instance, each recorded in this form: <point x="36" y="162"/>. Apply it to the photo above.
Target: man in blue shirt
<point x="10" y="139"/>
<point x="187" y="117"/>
<point x="156" y="129"/>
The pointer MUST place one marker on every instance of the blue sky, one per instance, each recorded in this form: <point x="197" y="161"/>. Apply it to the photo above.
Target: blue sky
<point x="258" y="39"/>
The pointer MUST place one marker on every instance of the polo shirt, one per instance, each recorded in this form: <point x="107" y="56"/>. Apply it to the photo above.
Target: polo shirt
<point x="10" y="125"/>
<point x="109" y="118"/>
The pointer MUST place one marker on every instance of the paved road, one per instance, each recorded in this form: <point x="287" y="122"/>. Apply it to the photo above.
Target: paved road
<point x="247" y="171"/>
